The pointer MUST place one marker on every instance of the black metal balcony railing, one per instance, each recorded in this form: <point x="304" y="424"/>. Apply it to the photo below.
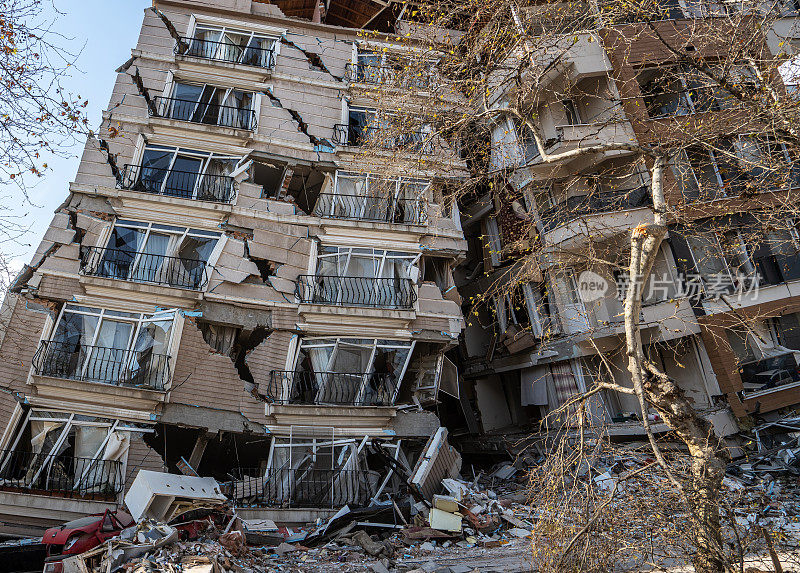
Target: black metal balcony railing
<point x="415" y="140"/>
<point x="372" y="292"/>
<point x="204" y="112"/>
<point x="575" y="207"/>
<point x="363" y="208"/>
<point x="227" y="52"/>
<point x="769" y="373"/>
<point x="390" y="76"/>
<point x="333" y="388"/>
<point x="62" y="475"/>
<point x="116" y="366"/>
<point x="144" y="267"/>
<point x="299" y="488"/>
<point x="183" y="184"/>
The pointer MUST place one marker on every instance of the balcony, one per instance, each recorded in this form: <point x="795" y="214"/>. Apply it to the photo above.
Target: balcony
<point x="60" y="475"/>
<point x="227" y="52"/>
<point x="388" y="75"/>
<point x="114" y="366"/>
<point x="151" y="268"/>
<point x="393" y="293"/>
<point x="365" y="208"/>
<point x="204" y="112"/>
<point x="414" y="140"/>
<point x="331" y="388"/>
<point x="770" y="373"/>
<point x="182" y="184"/>
<point x="310" y="487"/>
<point x="603" y="202"/>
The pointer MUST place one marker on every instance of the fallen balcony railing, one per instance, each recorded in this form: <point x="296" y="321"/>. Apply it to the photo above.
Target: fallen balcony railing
<point x="60" y="475"/>
<point x="311" y="488"/>
<point x="144" y="267"/>
<point x="204" y="112"/>
<point x="364" y="208"/>
<point x="393" y="293"/>
<point x="183" y="184"/>
<point x="227" y="52"/>
<point x="115" y="366"/>
<point x="330" y="388"/>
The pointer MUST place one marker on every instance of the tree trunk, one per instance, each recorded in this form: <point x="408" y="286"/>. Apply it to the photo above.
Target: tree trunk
<point x="655" y="388"/>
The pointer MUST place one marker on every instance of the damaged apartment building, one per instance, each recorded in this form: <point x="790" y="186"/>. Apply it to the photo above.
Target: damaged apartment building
<point x="229" y="288"/>
<point x="530" y="348"/>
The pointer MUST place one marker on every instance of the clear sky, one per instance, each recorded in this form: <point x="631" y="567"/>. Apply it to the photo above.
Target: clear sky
<point x="104" y="31"/>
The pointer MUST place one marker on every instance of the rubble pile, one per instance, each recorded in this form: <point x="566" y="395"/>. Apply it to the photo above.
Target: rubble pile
<point x="468" y="520"/>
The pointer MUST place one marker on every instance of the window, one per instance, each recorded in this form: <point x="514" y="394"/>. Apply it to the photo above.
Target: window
<point x="154" y="253"/>
<point x="68" y="454"/>
<point x="212" y="105"/>
<point x="362" y="277"/>
<point x="108" y="346"/>
<point x="766" y="163"/>
<point x="351" y="370"/>
<point x="235" y="46"/>
<point x="371" y="197"/>
<point x="493" y="242"/>
<point x="678" y="91"/>
<point x="384" y="67"/>
<point x="571" y="112"/>
<point x="543" y="312"/>
<point x="527" y="143"/>
<point x="511" y="308"/>
<point x="185" y="173"/>
<point x="708" y="174"/>
<point x="386" y="130"/>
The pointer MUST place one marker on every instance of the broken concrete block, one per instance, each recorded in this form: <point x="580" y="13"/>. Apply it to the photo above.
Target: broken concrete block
<point x="519" y="532"/>
<point x="456" y="489"/>
<point x="444" y="521"/>
<point x="445" y="503"/>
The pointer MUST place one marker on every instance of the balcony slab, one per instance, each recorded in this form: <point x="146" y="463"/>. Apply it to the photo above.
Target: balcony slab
<point x="348" y="420"/>
<point x="28" y="514"/>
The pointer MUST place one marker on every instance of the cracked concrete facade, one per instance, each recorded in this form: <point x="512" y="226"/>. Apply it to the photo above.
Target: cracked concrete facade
<point x="180" y="300"/>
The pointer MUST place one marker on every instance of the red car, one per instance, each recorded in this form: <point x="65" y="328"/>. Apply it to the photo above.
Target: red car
<point x="81" y="535"/>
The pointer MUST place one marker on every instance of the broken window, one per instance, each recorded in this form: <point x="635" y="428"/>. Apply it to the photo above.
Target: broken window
<point x="371" y="197"/>
<point x="357" y="276"/>
<point x="219" y="337"/>
<point x="108" y="346"/>
<point x="511" y="309"/>
<point x="153" y="253"/>
<point x="184" y="173"/>
<point x="234" y="46"/>
<point x="317" y="467"/>
<point x="543" y="313"/>
<point x="212" y="105"/>
<point x="345" y="371"/>
<point x="67" y="453"/>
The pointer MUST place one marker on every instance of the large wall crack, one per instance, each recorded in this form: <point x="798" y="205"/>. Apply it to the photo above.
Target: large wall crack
<point x="314" y="60"/>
